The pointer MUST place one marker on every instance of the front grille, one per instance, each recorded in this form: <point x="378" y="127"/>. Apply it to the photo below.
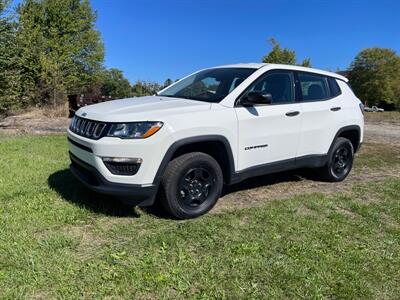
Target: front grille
<point x="118" y="168"/>
<point x="88" y="128"/>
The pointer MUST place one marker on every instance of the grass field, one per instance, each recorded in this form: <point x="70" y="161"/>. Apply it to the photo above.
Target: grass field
<point x="59" y="240"/>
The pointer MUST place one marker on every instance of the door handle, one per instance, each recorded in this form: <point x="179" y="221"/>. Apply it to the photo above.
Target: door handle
<point x="336" y="108"/>
<point x="292" y="113"/>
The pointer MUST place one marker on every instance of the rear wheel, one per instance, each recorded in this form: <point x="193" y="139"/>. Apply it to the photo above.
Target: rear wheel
<point x="340" y="161"/>
<point x="192" y="184"/>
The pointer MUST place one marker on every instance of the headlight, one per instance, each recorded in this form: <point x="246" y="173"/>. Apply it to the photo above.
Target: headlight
<point x="136" y="130"/>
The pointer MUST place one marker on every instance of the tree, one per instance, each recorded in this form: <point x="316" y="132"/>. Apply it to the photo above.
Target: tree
<point x="115" y="84"/>
<point x="306" y="63"/>
<point x="9" y="79"/>
<point x="60" y="50"/>
<point x="278" y="55"/>
<point x="143" y="88"/>
<point x="375" y="76"/>
<point x="167" y="82"/>
<point x="283" y="56"/>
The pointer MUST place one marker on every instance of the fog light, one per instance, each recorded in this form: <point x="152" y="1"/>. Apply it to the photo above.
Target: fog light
<point x="126" y="160"/>
<point x="122" y="165"/>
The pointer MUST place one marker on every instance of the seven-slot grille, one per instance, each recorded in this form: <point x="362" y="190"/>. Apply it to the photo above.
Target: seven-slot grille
<point x="87" y="128"/>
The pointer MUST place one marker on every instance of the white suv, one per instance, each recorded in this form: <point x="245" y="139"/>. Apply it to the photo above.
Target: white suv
<point x="217" y="126"/>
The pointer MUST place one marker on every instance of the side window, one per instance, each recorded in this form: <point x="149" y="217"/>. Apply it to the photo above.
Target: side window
<point x="277" y="83"/>
<point x="313" y="87"/>
<point x="333" y="85"/>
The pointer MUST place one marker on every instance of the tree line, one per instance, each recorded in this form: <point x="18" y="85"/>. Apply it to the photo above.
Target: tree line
<point x="50" y="49"/>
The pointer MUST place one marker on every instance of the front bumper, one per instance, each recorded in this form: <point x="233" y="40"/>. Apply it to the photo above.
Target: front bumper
<point x="150" y="150"/>
<point x="134" y="194"/>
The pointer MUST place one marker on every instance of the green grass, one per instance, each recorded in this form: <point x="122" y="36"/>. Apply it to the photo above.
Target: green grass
<point x="59" y="240"/>
<point x="377" y="156"/>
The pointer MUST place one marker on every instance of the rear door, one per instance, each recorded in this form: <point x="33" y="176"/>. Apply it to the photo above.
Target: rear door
<point x="269" y="133"/>
<point x="321" y="106"/>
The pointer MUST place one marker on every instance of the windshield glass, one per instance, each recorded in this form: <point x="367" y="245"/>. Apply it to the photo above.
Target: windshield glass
<point x="210" y="85"/>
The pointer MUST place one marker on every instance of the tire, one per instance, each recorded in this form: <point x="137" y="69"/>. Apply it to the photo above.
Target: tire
<point x="340" y="161"/>
<point x="192" y="184"/>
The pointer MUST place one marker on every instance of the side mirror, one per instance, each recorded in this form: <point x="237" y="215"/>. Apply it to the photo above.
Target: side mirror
<point x="256" y="98"/>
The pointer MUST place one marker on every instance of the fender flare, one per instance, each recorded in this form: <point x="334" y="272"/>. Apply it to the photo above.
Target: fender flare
<point x="343" y="129"/>
<point x="192" y="140"/>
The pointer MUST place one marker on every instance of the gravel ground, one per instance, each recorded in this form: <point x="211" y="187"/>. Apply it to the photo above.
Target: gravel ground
<point x="383" y="132"/>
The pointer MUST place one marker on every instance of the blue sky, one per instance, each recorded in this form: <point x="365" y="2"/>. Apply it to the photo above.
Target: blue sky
<point x="154" y="40"/>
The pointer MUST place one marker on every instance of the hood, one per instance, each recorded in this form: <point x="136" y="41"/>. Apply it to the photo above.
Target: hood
<point x="150" y="108"/>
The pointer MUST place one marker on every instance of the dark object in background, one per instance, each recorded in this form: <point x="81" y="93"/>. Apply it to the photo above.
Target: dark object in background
<point x="373" y="109"/>
<point x="75" y="102"/>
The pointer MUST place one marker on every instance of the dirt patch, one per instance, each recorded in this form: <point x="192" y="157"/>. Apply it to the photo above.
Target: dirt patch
<point x="256" y="191"/>
<point x="346" y="212"/>
<point x="89" y="241"/>
<point x="383" y="127"/>
<point x="383" y="132"/>
<point x="390" y="221"/>
<point x="36" y="121"/>
<point x="303" y="210"/>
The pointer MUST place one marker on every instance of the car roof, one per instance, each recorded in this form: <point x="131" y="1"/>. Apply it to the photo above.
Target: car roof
<point x="242" y="65"/>
<point x="286" y="67"/>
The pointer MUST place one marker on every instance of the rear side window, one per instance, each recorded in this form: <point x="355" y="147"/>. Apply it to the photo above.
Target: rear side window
<point x="313" y="87"/>
<point x="333" y="85"/>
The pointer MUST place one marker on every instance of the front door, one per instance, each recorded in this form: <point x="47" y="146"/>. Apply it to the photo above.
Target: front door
<point x="270" y="133"/>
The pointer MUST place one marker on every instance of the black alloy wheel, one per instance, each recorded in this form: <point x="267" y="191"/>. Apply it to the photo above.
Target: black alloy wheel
<point x="340" y="161"/>
<point x="192" y="184"/>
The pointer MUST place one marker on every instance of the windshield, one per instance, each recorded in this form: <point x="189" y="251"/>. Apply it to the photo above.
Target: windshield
<point x="210" y="85"/>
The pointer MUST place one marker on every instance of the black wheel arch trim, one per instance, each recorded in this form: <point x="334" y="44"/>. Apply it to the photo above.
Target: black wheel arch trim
<point x="192" y="140"/>
<point x="347" y="128"/>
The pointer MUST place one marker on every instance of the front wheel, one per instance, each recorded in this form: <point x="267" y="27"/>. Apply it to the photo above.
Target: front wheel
<point x="192" y="184"/>
<point x="340" y="161"/>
